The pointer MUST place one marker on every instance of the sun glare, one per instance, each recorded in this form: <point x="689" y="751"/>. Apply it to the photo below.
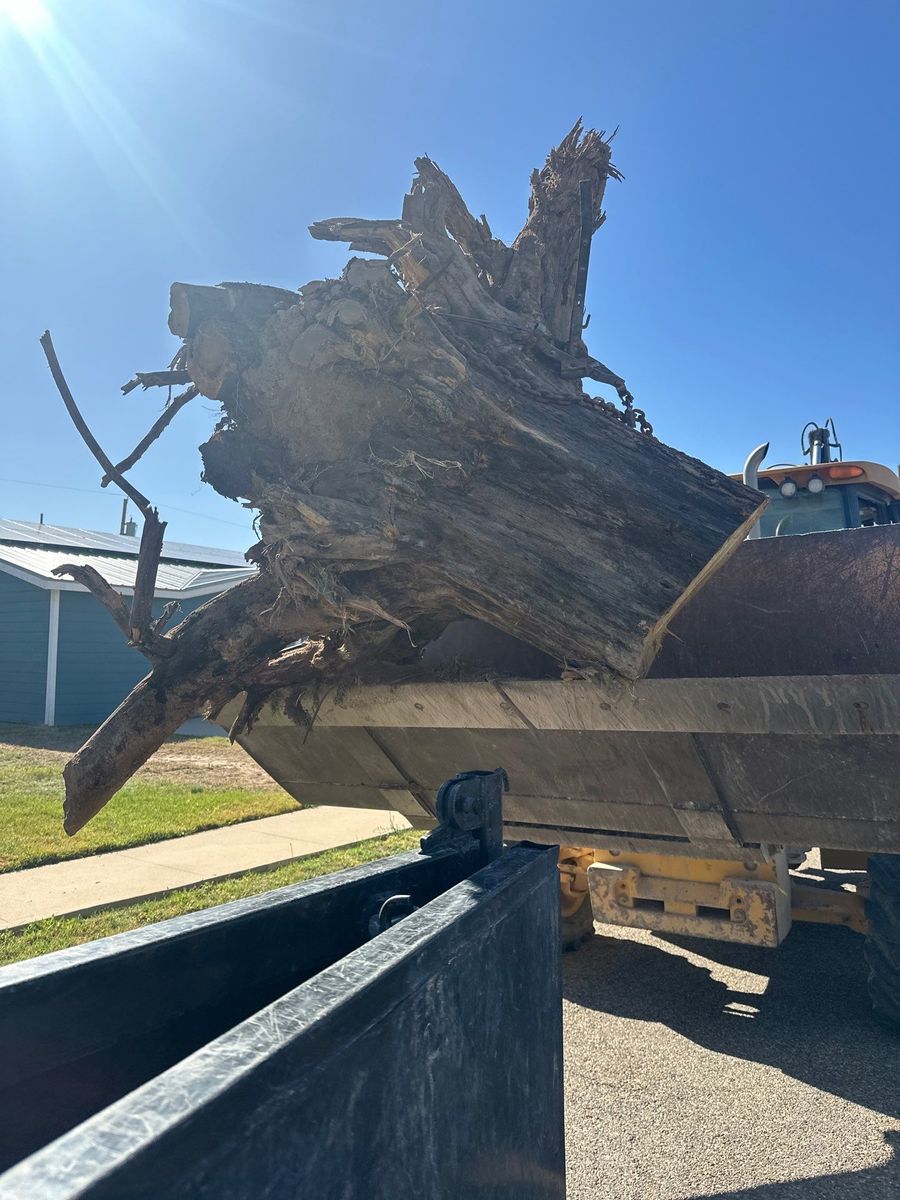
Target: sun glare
<point x="28" y="16"/>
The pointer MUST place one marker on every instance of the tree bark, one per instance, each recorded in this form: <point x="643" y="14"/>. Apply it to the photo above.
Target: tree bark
<point x="417" y="439"/>
<point x="217" y="644"/>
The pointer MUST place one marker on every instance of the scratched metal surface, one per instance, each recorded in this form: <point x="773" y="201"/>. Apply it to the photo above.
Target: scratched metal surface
<point x="817" y="604"/>
<point x="425" y="1063"/>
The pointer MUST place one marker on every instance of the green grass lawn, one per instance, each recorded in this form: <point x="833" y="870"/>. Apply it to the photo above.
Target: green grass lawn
<point x="58" y="932"/>
<point x="191" y="784"/>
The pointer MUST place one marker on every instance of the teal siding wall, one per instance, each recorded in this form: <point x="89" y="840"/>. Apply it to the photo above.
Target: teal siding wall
<point x="24" y="617"/>
<point x="96" y="668"/>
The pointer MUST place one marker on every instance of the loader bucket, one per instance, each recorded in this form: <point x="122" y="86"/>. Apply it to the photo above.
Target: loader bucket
<point x="771" y="715"/>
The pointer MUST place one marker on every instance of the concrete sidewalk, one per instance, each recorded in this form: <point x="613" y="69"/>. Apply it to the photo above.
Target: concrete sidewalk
<point x="122" y="876"/>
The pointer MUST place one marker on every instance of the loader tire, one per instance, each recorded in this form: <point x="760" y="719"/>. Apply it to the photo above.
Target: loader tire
<point x="576" y="929"/>
<point x="883" y="940"/>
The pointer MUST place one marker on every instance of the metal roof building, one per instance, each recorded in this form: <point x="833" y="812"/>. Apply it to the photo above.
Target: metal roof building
<point x="63" y="661"/>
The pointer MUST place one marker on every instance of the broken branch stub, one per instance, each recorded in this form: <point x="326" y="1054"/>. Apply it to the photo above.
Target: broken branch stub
<point x="417" y="439"/>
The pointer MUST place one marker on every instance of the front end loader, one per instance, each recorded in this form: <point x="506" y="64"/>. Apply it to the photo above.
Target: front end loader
<point x="768" y="723"/>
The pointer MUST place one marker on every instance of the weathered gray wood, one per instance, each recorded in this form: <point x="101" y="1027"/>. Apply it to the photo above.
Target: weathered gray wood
<point x="420" y="446"/>
<point x="145" y="577"/>
<point x="215" y="642"/>
<point x="549" y="520"/>
<point x="418" y="443"/>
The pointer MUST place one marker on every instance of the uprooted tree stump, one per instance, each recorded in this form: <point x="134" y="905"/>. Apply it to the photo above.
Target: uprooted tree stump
<point x="419" y="444"/>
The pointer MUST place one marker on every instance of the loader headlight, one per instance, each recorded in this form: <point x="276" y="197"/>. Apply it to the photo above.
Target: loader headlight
<point x="816" y="485"/>
<point x="788" y="489"/>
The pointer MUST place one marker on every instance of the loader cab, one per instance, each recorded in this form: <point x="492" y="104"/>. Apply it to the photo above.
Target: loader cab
<point x="824" y="493"/>
<point x="844" y="495"/>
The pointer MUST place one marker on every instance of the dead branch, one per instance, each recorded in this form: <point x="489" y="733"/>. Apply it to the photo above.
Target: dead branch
<point x="149" y="379"/>
<point x="161" y="423"/>
<point x="81" y="425"/>
<point x="98" y="587"/>
<point x="153" y="646"/>
<point x="217" y="646"/>
<point x="158" y="624"/>
<point x="145" y="577"/>
<point x="154" y="529"/>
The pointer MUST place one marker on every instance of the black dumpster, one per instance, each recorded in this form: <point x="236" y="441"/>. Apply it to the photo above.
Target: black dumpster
<point x="392" y="1031"/>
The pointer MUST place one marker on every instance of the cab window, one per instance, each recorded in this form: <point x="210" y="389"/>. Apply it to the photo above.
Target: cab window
<point x="803" y="513"/>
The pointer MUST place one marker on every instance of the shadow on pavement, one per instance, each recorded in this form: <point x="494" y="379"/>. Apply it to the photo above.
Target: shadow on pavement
<point x="812" y="1021"/>
<point x="845" y="1185"/>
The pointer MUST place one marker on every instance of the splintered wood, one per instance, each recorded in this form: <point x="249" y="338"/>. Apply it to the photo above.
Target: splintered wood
<point x="418" y="441"/>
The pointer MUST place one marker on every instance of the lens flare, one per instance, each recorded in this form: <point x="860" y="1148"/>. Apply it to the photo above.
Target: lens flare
<point x="29" y="17"/>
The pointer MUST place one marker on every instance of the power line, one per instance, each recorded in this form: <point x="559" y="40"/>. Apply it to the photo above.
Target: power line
<point x="204" y="517"/>
<point x="62" y="487"/>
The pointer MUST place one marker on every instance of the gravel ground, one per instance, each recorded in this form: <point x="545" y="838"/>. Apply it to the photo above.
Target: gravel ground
<point x="698" y="1069"/>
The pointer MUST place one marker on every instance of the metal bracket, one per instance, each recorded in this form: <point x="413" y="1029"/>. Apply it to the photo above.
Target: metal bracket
<point x="470" y="810"/>
<point x="388" y="911"/>
<point x="470" y="813"/>
<point x="727" y="901"/>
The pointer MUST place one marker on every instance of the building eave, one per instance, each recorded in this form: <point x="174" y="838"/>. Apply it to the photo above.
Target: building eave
<point x="69" y="585"/>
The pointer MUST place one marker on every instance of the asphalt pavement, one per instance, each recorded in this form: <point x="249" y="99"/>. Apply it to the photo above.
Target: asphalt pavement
<point x="702" y="1070"/>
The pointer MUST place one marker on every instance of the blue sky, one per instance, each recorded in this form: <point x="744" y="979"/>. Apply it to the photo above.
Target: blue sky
<point x="746" y="280"/>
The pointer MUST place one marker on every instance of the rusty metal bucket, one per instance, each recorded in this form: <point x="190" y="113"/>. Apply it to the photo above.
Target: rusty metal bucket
<point x="771" y="715"/>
